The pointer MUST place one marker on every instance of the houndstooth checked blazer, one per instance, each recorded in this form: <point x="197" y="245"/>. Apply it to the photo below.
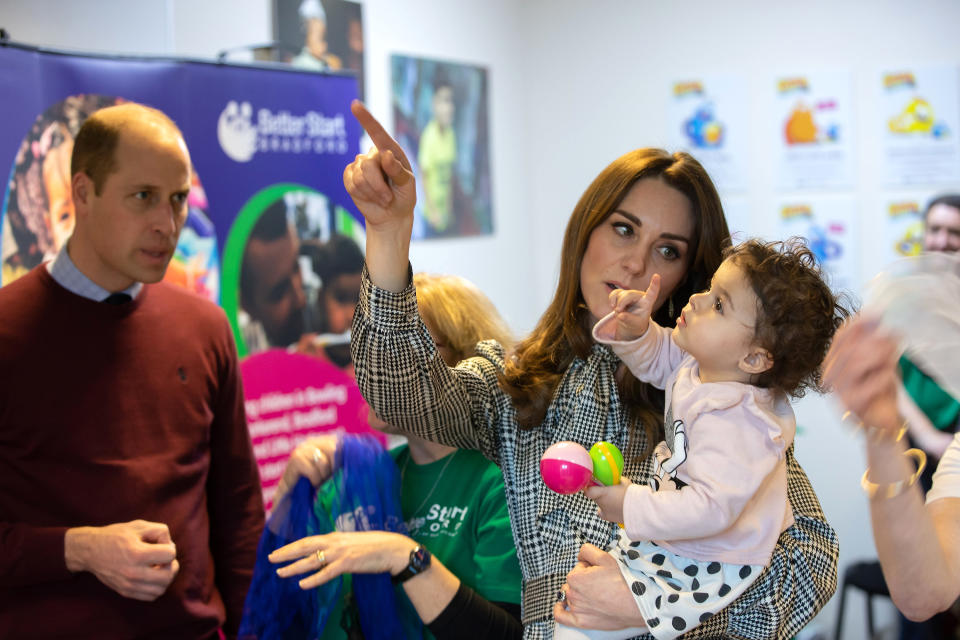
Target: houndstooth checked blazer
<point x="404" y="379"/>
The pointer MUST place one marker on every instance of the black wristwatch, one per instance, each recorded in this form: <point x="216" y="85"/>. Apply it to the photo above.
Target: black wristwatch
<point x="419" y="562"/>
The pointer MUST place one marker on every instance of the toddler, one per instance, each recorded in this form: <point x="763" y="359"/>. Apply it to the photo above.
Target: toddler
<point x="705" y="528"/>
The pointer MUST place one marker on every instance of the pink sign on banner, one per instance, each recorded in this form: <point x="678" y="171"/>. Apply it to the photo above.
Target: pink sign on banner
<point x="290" y="397"/>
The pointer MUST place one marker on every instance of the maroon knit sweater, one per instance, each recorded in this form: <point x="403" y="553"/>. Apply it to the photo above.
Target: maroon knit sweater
<point x="109" y="414"/>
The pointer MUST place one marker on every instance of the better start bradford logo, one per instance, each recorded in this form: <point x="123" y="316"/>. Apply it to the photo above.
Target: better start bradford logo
<point x="278" y="132"/>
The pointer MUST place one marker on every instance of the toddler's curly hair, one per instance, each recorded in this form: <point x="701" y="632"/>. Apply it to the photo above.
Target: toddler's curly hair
<point x="797" y="312"/>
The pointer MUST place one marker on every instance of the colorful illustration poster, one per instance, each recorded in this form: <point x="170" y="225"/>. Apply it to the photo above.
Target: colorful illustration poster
<point x="707" y="117"/>
<point x="828" y="225"/>
<point x="919" y="123"/>
<point x="440" y="119"/>
<point x="814" y="131"/>
<point x="902" y="215"/>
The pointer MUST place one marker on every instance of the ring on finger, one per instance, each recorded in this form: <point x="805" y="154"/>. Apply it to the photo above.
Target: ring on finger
<point x="317" y="455"/>
<point x="321" y="558"/>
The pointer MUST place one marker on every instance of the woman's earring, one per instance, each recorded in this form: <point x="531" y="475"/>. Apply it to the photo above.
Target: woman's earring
<point x="670" y="306"/>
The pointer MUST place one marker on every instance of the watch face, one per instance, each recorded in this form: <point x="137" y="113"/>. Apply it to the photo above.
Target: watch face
<point x="419" y="559"/>
<point x="419" y="562"/>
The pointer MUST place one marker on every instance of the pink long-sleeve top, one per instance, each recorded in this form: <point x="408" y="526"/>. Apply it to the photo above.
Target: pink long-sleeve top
<point x="734" y="505"/>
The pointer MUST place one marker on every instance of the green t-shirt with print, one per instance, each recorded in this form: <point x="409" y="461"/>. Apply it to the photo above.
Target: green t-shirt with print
<point x="457" y="508"/>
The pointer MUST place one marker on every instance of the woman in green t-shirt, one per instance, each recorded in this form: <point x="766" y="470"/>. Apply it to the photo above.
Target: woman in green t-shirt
<point x="459" y="566"/>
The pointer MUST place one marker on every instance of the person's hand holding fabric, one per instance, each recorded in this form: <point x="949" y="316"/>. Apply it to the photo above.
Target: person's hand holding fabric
<point x="312" y="459"/>
<point x="341" y="553"/>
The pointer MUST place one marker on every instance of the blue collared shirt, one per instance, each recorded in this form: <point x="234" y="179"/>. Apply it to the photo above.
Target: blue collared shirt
<point x="68" y="276"/>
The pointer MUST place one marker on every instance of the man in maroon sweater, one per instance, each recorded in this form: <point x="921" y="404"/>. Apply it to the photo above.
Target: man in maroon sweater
<point x="130" y="503"/>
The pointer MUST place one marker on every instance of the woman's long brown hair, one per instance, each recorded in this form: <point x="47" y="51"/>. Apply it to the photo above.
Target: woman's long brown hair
<point x="539" y="361"/>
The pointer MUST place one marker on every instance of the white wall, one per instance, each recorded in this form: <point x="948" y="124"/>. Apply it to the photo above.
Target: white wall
<point x="94" y="25"/>
<point x="573" y="85"/>
<point x="153" y="27"/>
<point x="599" y="72"/>
<point x="486" y="34"/>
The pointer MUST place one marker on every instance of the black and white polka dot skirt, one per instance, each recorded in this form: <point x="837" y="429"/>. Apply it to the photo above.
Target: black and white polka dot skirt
<point x="676" y="594"/>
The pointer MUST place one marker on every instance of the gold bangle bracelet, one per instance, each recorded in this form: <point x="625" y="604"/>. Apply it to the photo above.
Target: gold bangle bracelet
<point x="893" y="489"/>
<point x="874" y="433"/>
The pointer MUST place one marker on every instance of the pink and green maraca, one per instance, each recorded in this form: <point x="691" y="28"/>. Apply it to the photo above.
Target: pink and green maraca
<point x="566" y="467"/>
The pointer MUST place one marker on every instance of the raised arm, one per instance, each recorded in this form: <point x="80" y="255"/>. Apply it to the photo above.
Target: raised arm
<point x="384" y="190"/>
<point x="652" y="357"/>
<point x="917" y="544"/>
<point x="402" y="376"/>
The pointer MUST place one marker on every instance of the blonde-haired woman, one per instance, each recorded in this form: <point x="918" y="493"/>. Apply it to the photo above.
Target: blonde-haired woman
<point x="458" y="315"/>
<point x="452" y="501"/>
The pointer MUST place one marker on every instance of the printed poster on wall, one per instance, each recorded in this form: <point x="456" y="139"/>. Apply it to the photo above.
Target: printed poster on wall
<point x="814" y="131"/>
<point x="440" y="118"/>
<point x="271" y="234"/>
<point x="708" y="118"/>
<point x="828" y="225"/>
<point x="320" y="35"/>
<point x="902" y="215"/>
<point x="918" y="123"/>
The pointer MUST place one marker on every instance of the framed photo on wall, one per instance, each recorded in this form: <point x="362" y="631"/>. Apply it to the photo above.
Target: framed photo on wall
<point x="440" y="117"/>
<point x="325" y="34"/>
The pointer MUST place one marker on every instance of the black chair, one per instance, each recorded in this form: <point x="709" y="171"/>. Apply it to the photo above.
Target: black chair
<point x="868" y="577"/>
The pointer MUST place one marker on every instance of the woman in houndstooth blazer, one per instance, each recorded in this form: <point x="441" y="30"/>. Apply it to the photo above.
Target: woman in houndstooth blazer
<point x="648" y="212"/>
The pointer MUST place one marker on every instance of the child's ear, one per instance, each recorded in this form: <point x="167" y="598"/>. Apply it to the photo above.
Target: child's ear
<point x="756" y="361"/>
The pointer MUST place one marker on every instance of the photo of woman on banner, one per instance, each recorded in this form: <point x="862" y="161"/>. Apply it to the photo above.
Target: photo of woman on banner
<point x="38" y="212"/>
<point x="440" y="119"/>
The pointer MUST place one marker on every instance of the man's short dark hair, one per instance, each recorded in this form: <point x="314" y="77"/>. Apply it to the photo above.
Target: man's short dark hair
<point x="95" y="146"/>
<point x="949" y="199"/>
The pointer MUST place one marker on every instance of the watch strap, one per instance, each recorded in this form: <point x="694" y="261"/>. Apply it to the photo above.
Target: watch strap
<point x="419" y="562"/>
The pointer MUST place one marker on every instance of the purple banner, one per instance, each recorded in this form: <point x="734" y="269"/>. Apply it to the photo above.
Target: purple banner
<point x="271" y="235"/>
